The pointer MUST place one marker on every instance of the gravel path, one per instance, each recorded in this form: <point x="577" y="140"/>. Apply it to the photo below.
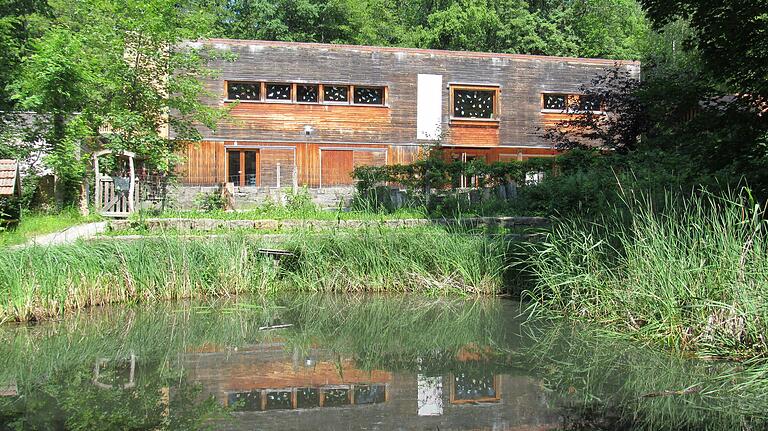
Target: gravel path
<point x="68" y="235"/>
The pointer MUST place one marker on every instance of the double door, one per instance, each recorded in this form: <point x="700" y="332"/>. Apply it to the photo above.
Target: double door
<point x="243" y="167"/>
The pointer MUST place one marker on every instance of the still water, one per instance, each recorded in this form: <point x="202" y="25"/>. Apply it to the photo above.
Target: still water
<point x="347" y="363"/>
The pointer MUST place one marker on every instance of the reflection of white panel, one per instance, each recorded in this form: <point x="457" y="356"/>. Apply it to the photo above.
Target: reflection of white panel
<point x="430" y="397"/>
<point x="429" y="106"/>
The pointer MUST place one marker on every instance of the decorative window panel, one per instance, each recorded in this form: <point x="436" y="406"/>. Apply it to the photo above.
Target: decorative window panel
<point x="333" y="93"/>
<point x="278" y="92"/>
<point x="473" y="103"/>
<point x="555" y="101"/>
<point x="589" y="103"/>
<point x="307" y="93"/>
<point x="243" y="90"/>
<point x="369" y="95"/>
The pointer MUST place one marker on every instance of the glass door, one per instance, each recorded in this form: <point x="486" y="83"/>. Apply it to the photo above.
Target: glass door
<point x="243" y="167"/>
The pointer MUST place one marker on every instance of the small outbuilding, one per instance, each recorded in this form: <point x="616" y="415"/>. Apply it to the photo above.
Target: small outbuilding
<point x="10" y="190"/>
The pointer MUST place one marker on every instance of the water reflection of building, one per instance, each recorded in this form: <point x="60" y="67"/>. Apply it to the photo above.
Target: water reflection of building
<point x="272" y="388"/>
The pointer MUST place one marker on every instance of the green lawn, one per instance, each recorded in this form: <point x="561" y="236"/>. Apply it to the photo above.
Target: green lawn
<point x="34" y="224"/>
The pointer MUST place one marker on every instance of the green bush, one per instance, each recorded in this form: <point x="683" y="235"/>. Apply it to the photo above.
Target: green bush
<point x="212" y="201"/>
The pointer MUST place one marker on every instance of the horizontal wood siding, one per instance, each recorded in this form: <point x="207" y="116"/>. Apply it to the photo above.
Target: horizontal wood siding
<point x="521" y="80"/>
<point x="198" y="158"/>
<point x="474" y="134"/>
<point x="270" y="158"/>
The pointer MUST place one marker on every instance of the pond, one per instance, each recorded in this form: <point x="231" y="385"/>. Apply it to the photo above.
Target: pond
<point x="322" y="362"/>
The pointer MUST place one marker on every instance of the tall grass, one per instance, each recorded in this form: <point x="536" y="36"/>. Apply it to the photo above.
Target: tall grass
<point x="690" y="275"/>
<point x="39" y="282"/>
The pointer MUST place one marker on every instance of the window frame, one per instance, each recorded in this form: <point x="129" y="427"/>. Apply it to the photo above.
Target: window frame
<point x="319" y="100"/>
<point x="569" y="96"/>
<point x="291" y="89"/>
<point x="294" y="99"/>
<point x="383" y="89"/>
<point x="226" y="91"/>
<point x="350" y="92"/>
<point x="495" y="117"/>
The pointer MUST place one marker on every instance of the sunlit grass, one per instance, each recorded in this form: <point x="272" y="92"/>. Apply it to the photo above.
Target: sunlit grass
<point x="690" y="276"/>
<point x="38" y="282"/>
<point x="34" y="224"/>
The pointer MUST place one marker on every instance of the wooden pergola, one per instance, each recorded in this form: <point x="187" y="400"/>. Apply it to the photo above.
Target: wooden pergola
<point x="112" y="200"/>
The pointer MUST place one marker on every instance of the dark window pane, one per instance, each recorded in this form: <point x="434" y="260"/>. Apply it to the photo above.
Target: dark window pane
<point x="243" y="90"/>
<point x="333" y="93"/>
<point x="369" y="95"/>
<point x="307" y="398"/>
<point x="555" y="101"/>
<point x="278" y="92"/>
<point x="306" y="93"/>
<point x="250" y="168"/>
<point x="233" y="173"/>
<point x="589" y="103"/>
<point x="245" y="401"/>
<point x="370" y="394"/>
<point x="336" y="397"/>
<point x="278" y="400"/>
<point x="473" y="103"/>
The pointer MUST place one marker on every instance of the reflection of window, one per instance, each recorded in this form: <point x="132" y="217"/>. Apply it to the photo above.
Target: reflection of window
<point x="278" y="92"/>
<point x="370" y="394"/>
<point x="243" y="90"/>
<point x="474" y="102"/>
<point x="307" y="398"/>
<point x="244" y="401"/>
<point x="333" y="93"/>
<point x="369" y="95"/>
<point x="306" y="93"/>
<point x="279" y="400"/>
<point x="336" y="397"/>
<point x="473" y="387"/>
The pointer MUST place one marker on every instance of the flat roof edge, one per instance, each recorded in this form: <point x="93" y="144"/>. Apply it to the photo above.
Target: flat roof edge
<point x="470" y="54"/>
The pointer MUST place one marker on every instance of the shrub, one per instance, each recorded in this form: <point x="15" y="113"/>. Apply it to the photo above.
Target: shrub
<point x="212" y="201"/>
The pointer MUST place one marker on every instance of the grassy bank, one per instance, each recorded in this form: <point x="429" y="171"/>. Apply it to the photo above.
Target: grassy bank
<point x="280" y="212"/>
<point x="691" y="275"/>
<point x="37" y="282"/>
<point x="34" y="224"/>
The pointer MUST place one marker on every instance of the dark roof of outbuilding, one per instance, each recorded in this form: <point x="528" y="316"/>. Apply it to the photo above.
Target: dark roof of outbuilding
<point x="9" y="177"/>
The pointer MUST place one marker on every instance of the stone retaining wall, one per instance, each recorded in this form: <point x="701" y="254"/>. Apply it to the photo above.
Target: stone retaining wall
<point x="205" y="224"/>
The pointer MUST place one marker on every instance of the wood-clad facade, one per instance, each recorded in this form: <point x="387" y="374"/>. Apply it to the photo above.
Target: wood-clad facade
<point x="312" y="112"/>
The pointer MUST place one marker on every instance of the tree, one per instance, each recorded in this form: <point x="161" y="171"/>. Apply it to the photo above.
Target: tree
<point x="54" y="82"/>
<point x="618" y="125"/>
<point x="732" y="37"/>
<point x="126" y="69"/>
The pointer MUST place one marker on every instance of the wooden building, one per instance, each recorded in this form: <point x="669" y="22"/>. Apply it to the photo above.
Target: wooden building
<point x="10" y="191"/>
<point x="309" y="113"/>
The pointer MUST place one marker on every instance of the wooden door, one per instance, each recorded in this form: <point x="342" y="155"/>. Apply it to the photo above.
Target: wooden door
<point x="336" y="167"/>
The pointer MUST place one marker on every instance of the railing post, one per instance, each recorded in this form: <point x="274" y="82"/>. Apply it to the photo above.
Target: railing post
<point x="278" y="175"/>
<point x="295" y="179"/>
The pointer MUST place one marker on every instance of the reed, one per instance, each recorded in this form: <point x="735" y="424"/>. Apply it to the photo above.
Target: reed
<point x="41" y="282"/>
<point x="689" y="274"/>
